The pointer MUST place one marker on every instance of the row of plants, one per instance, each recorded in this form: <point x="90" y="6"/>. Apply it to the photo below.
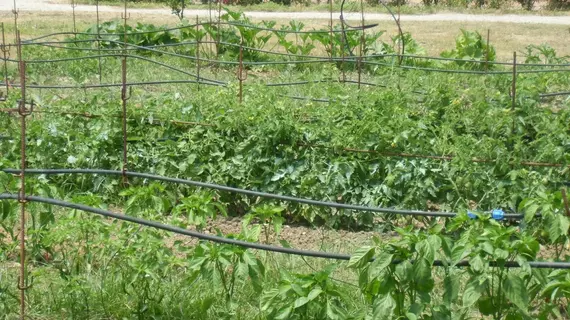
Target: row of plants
<point x="274" y="144"/>
<point x="223" y="41"/>
<point x="94" y="268"/>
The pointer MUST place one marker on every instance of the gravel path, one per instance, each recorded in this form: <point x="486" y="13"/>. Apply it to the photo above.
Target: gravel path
<point x="49" y="6"/>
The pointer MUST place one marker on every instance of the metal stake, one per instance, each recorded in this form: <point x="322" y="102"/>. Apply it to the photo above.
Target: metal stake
<point x="331" y="27"/>
<point x="487" y="51"/>
<point x="197" y="53"/>
<point x="22" y="283"/>
<point x="124" y="97"/>
<point x="99" y="39"/>
<point x="514" y="89"/>
<point x="241" y="74"/>
<point x="5" y="49"/>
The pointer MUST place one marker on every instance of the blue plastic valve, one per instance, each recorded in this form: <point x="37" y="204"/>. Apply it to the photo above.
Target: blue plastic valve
<point x="498" y="214"/>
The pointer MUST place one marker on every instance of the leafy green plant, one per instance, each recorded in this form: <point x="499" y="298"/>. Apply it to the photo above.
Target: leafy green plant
<point x="146" y="199"/>
<point x="471" y="46"/>
<point x="226" y="265"/>
<point x="198" y="207"/>
<point x="267" y="215"/>
<point x="303" y="296"/>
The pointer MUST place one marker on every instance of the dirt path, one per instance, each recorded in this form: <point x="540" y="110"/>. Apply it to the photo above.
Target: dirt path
<point x="50" y="6"/>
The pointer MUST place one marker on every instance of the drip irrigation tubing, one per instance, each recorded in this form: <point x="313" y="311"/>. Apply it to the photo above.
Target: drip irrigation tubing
<point x="554" y="94"/>
<point x="253" y="245"/>
<point x="248" y="192"/>
<point x="111" y="85"/>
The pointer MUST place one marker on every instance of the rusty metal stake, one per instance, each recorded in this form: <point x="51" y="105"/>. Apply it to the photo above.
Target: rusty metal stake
<point x="487" y="51"/>
<point x="99" y="40"/>
<point x="241" y="74"/>
<point x="344" y="42"/>
<point x="15" y="11"/>
<point x="5" y="50"/>
<point x="124" y="97"/>
<point x="514" y="90"/>
<point x="22" y="283"/>
<point x="219" y="31"/>
<point x="73" y="5"/>
<point x="209" y="37"/>
<point x="331" y="27"/>
<point x="362" y="39"/>
<point x="197" y="53"/>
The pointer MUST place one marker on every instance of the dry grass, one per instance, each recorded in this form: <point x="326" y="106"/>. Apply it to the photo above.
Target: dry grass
<point x="433" y="36"/>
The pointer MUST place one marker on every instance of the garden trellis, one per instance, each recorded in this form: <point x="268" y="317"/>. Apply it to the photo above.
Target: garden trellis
<point x="204" y="56"/>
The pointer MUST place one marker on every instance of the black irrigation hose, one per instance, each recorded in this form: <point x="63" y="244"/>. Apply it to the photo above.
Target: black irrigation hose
<point x="178" y="230"/>
<point x="249" y="192"/>
<point x="253" y="245"/>
<point x="554" y="94"/>
<point x="112" y="85"/>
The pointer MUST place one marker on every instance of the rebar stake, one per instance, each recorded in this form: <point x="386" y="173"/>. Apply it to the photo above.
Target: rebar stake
<point x="514" y="90"/>
<point x="73" y="5"/>
<point x="241" y="74"/>
<point x="5" y="50"/>
<point x="362" y="39"/>
<point x="487" y="51"/>
<point x="15" y="11"/>
<point x="22" y="283"/>
<point x="99" y="40"/>
<point x="219" y="31"/>
<point x="331" y="28"/>
<point x="198" y="52"/>
<point x="124" y="96"/>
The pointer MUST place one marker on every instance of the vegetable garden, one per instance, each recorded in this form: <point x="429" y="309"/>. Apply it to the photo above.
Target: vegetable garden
<point x="126" y="148"/>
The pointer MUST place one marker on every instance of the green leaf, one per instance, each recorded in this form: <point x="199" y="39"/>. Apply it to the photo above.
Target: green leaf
<point x="516" y="291"/>
<point x="314" y="293"/>
<point x="472" y="292"/>
<point x="334" y="312"/>
<point x="6" y="209"/>
<point x="377" y="266"/>
<point x="486" y="306"/>
<point x="557" y="227"/>
<point x="451" y="285"/>
<point x="421" y="274"/>
<point x="361" y="257"/>
<point x="284" y="313"/>
<point x="530" y="212"/>
<point x="383" y="307"/>
<point x="425" y="250"/>
<point x="267" y="298"/>
<point x="301" y="301"/>
<point x="477" y="264"/>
